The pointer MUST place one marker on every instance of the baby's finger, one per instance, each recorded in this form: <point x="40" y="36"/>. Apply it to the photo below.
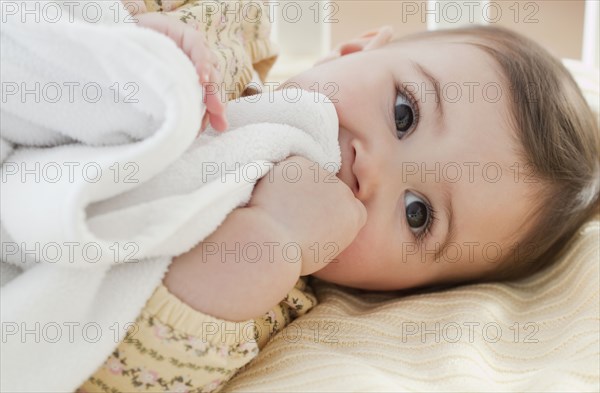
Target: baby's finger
<point x="212" y="98"/>
<point x="204" y="69"/>
<point x="205" y="120"/>
<point x="216" y="107"/>
<point x="194" y="45"/>
<point x="219" y="122"/>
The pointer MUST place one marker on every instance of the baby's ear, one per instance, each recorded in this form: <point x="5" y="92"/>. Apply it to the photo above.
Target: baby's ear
<point x="367" y="41"/>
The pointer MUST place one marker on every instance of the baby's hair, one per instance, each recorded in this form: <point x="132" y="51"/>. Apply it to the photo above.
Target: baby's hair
<point x="559" y="138"/>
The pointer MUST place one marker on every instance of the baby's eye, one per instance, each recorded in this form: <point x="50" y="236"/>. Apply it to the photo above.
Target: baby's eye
<point x="418" y="213"/>
<point x="404" y="114"/>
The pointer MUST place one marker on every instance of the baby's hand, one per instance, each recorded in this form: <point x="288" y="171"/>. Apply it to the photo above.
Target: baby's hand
<point x="314" y="209"/>
<point x="194" y="45"/>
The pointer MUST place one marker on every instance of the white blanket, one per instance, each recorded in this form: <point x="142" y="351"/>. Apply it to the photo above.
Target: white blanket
<point x="98" y="196"/>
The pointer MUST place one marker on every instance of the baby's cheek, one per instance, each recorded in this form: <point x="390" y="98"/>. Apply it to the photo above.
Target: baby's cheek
<point x="342" y="267"/>
<point x="355" y="258"/>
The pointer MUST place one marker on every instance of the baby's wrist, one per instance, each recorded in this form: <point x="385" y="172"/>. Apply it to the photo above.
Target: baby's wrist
<point x="225" y="277"/>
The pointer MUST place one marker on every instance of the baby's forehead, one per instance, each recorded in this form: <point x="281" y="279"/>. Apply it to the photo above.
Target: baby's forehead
<point x="462" y="73"/>
<point x="452" y="58"/>
<point x="455" y="60"/>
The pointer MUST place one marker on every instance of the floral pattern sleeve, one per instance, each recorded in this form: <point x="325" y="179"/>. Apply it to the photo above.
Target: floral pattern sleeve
<point x="175" y="348"/>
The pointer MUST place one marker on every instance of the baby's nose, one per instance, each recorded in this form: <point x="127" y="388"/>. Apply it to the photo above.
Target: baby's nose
<point x="367" y="169"/>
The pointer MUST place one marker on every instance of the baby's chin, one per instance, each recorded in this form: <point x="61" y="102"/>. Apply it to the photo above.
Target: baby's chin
<point x="326" y="274"/>
<point x="342" y="270"/>
<point x="330" y="273"/>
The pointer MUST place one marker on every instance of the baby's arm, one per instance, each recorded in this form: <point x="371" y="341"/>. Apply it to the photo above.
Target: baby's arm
<point x="281" y="213"/>
<point x="215" y="279"/>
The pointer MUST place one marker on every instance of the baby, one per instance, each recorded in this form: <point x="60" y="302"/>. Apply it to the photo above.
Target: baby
<point x="472" y="152"/>
<point x="468" y="155"/>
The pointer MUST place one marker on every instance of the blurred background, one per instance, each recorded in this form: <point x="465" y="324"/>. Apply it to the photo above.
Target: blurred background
<point x="306" y="30"/>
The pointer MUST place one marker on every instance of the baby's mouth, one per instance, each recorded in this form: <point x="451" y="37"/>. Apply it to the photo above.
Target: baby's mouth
<point x="356" y="185"/>
<point x="346" y="173"/>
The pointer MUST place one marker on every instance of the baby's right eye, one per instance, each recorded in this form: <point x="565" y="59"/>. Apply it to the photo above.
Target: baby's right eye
<point x="406" y="113"/>
<point x="419" y="214"/>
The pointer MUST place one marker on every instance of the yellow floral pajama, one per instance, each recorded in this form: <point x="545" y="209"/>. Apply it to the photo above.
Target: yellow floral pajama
<point x="173" y="347"/>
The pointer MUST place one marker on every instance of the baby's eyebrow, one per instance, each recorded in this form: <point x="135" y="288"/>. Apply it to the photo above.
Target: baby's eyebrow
<point x="426" y="74"/>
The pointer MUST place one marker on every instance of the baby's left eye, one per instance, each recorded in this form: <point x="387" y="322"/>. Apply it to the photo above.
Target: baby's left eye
<point x="404" y="115"/>
<point x="417" y="213"/>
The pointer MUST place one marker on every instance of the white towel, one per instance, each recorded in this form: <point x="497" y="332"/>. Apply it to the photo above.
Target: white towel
<point x="152" y="190"/>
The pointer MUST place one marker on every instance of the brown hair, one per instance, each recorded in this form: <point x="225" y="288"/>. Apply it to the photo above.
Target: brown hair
<point x="559" y="137"/>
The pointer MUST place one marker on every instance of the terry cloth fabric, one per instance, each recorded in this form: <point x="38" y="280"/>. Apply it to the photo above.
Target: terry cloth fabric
<point x="134" y="183"/>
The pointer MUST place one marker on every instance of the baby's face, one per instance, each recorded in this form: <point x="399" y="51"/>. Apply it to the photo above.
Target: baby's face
<point x="406" y="158"/>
